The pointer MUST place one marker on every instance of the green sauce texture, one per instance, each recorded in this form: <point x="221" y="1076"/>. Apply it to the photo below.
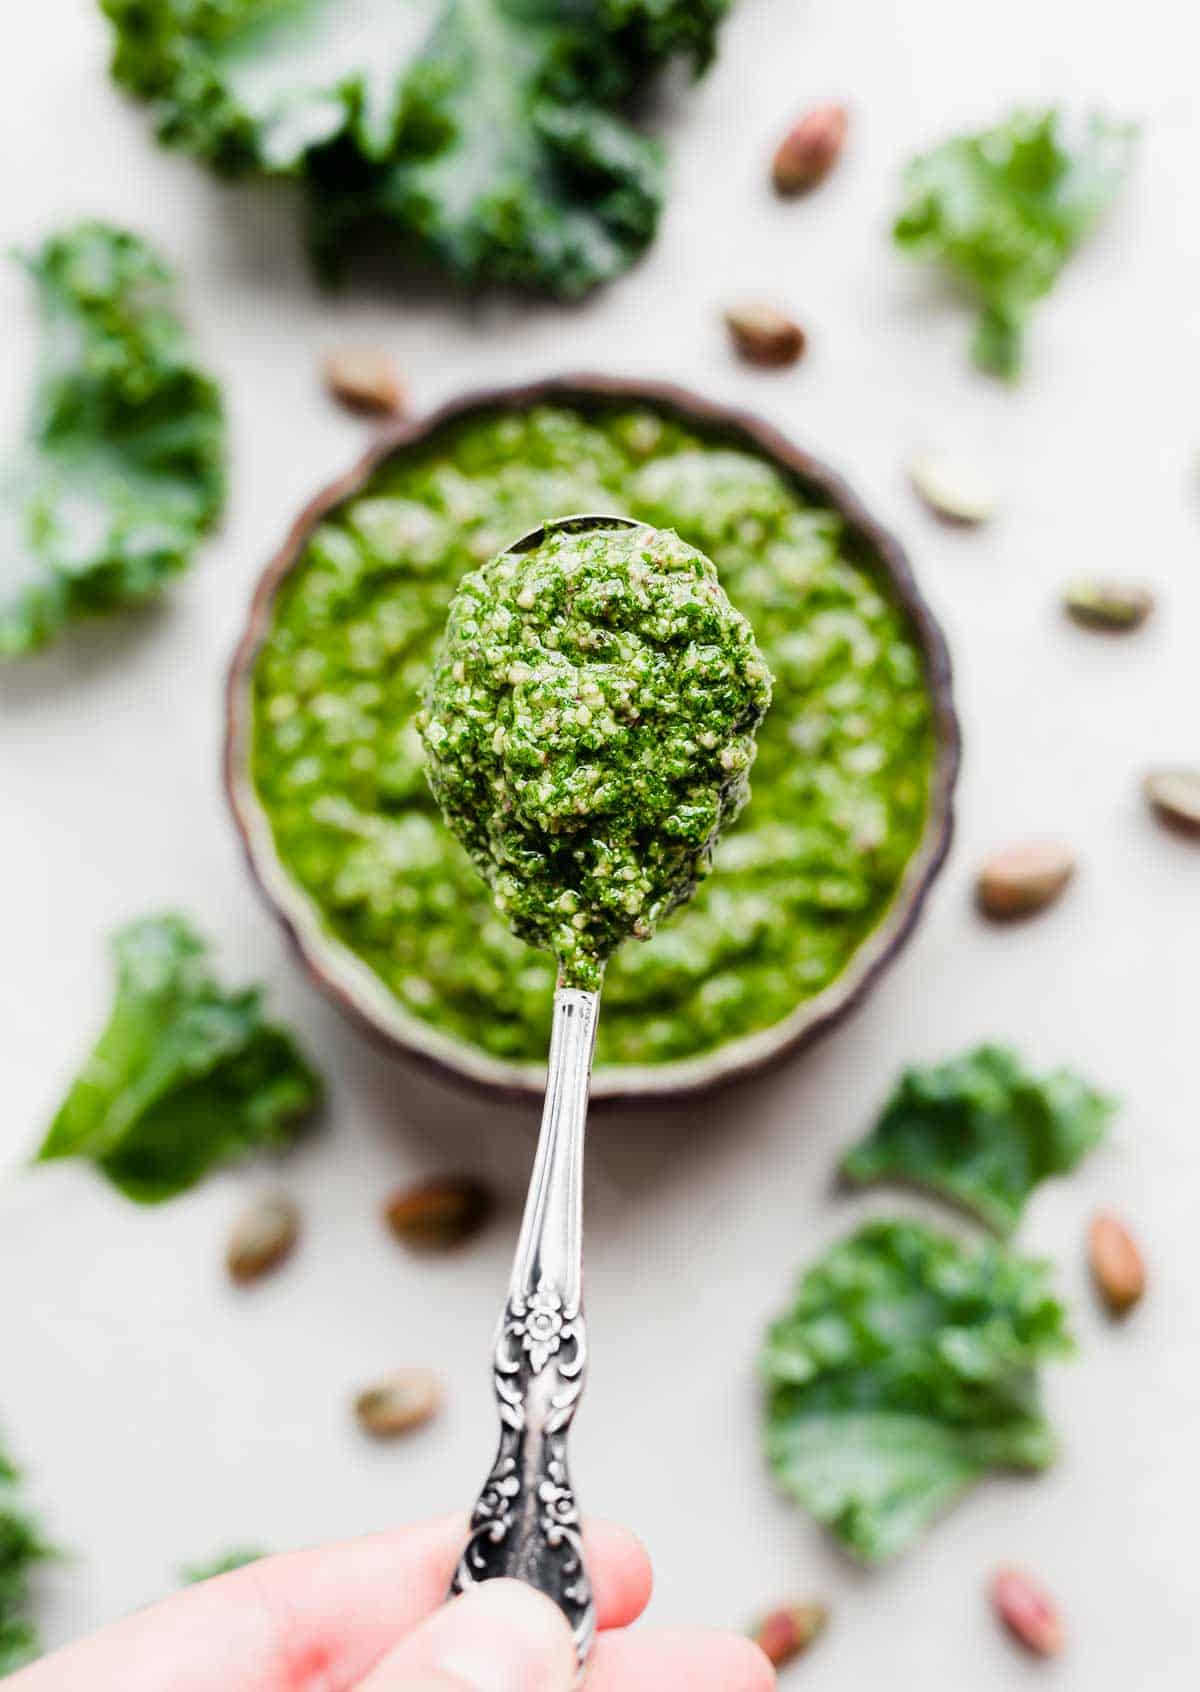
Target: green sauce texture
<point x="841" y="782"/>
<point x="590" y="731"/>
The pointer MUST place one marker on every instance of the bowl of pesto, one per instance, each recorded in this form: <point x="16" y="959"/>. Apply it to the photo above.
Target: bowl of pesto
<point x="813" y="889"/>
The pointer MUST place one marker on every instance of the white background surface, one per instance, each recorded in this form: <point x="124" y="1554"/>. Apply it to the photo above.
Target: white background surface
<point x="162" y="1416"/>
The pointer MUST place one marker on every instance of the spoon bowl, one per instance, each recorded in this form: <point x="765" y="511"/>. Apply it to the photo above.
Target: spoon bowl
<point x="574" y="525"/>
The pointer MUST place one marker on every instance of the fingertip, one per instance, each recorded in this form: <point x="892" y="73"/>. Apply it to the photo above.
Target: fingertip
<point x="737" y="1663"/>
<point x="622" y="1577"/>
<point x="758" y="1669"/>
<point x="501" y="1636"/>
<point x="525" y="1626"/>
<point x="702" y="1659"/>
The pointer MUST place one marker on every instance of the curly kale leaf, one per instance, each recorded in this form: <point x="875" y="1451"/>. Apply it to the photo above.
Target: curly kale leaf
<point x="984" y="1131"/>
<point x="1005" y="209"/>
<point x="488" y="136"/>
<point x="238" y="1557"/>
<point x="122" y="470"/>
<point x="904" y="1371"/>
<point x="22" y="1548"/>
<point x="184" y="1077"/>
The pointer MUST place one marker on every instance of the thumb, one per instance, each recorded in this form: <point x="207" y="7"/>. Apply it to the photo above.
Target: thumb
<point x="499" y="1637"/>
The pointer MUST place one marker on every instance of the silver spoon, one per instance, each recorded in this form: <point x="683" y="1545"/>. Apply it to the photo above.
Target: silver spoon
<point x="526" y="1523"/>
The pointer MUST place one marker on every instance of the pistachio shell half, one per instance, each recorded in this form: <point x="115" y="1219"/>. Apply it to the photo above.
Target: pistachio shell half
<point x="764" y="335"/>
<point x="439" y="1214"/>
<point x="1102" y="603"/>
<point x="263" y="1236"/>
<point x="398" y="1404"/>
<point x="1174" y="796"/>
<point x="952" y="491"/>
<point x="1019" y="880"/>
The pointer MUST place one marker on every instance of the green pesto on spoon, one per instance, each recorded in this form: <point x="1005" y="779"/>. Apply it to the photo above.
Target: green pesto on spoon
<point x="589" y="732"/>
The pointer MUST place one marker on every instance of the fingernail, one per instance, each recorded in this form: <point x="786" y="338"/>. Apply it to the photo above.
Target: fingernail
<point x="505" y="1637"/>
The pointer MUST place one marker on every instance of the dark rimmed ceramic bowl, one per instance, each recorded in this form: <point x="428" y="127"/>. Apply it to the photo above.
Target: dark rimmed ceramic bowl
<point x="359" y="992"/>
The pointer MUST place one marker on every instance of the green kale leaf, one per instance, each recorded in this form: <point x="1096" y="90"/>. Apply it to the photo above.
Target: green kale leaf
<point x="486" y="136"/>
<point x="981" y="1129"/>
<point x="185" y="1076"/>
<point x="22" y="1548"/>
<point x="122" y="469"/>
<point x="1005" y="209"/>
<point x="236" y="1558"/>
<point x="904" y="1370"/>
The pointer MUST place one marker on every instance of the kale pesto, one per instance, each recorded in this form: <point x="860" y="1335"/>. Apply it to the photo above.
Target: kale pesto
<point x="841" y="781"/>
<point x="590" y="730"/>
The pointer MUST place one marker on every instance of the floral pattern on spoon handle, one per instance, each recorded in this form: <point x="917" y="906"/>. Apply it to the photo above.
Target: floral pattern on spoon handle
<point x="526" y="1523"/>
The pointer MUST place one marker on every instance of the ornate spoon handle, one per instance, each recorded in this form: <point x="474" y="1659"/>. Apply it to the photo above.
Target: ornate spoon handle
<point x="526" y="1523"/>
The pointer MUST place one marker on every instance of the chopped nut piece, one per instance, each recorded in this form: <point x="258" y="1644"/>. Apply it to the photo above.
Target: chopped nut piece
<point x="365" y="379"/>
<point x="403" y="1401"/>
<point x="810" y="149"/>
<point x="788" y="1632"/>
<point x="1118" y="1267"/>
<point x="1018" y="880"/>
<point x="262" y="1238"/>
<point x="763" y="335"/>
<point x="441" y="1213"/>
<point x="1028" y="1612"/>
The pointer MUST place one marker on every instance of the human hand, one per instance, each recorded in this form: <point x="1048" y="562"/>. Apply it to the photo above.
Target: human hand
<point x="369" y="1616"/>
